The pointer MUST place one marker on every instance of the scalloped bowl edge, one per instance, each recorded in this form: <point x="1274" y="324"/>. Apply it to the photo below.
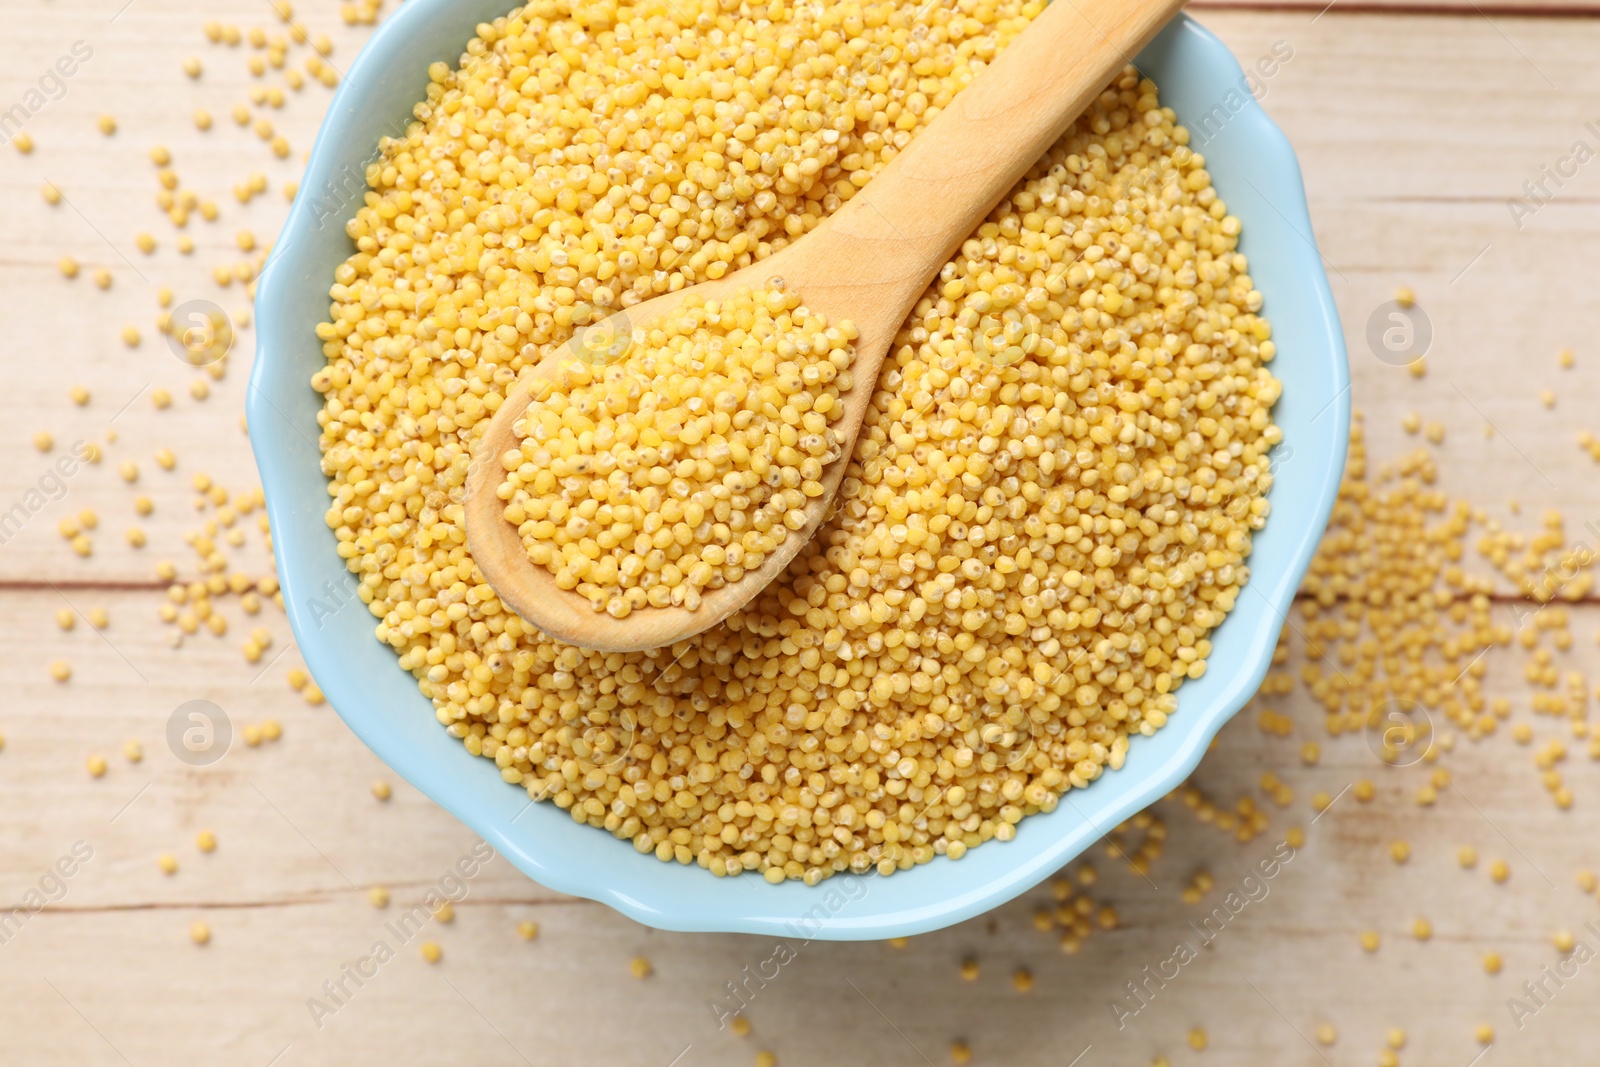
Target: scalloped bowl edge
<point x="1250" y="160"/>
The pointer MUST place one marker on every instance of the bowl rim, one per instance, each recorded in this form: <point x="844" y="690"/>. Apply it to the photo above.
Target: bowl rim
<point x="669" y="907"/>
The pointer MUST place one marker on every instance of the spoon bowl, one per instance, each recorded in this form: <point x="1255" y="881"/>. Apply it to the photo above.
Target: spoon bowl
<point x="867" y="263"/>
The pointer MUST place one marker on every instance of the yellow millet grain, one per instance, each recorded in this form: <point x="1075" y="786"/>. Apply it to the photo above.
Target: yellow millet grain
<point x="1047" y="512"/>
<point x="685" y="462"/>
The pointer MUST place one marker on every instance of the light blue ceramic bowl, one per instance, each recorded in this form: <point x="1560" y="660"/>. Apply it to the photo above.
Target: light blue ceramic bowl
<point x="1254" y="169"/>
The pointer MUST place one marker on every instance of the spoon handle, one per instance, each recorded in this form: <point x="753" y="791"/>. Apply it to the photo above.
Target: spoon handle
<point x="895" y="234"/>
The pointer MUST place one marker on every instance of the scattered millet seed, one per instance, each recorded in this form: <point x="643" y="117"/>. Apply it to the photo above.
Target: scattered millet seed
<point x="960" y="1053"/>
<point x="1363" y="790"/>
<point x="202" y="120"/>
<point x="1547" y="397"/>
<point x="51" y="194"/>
<point x="1400" y="851"/>
<point x="378" y="896"/>
<point x="199" y="933"/>
<point x="1484" y="1033"/>
<point x="1198" y="1039"/>
<point x="1563" y="941"/>
<point x="80" y="395"/>
<point x="528" y="930"/>
<point x="764" y="1058"/>
<point x="445" y="912"/>
<point x="68" y="266"/>
<point x="43" y="441"/>
<point x="969" y="969"/>
<point x="1370" y="940"/>
<point x="381" y="790"/>
<point x="1467" y="856"/>
<point x="102" y="278"/>
<point x="206" y="841"/>
<point x="191" y="66"/>
<point x="1587" y="881"/>
<point x="1022" y="981"/>
<point x="1326" y="1034"/>
<point x="1492" y="962"/>
<point x="640" y="967"/>
<point x="65" y="618"/>
<point x="23" y="142"/>
<point x="1422" y="929"/>
<point x="1396" y="1038"/>
<point x="98" y="618"/>
<point x="96" y="766"/>
<point x="1405" y="296"/>
<point x="432" y="952"/>
<point x="60" y="670"/>
<point x="132" y="751"/>
<point x="168" y="863"/>
<point x="1499" y="870"/>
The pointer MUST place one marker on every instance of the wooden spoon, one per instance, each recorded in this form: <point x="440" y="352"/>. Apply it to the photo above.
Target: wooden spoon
<point x="868" y="262"/>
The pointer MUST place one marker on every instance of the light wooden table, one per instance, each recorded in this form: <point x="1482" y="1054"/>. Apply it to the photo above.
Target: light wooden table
<point x="1414" y="131"/>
